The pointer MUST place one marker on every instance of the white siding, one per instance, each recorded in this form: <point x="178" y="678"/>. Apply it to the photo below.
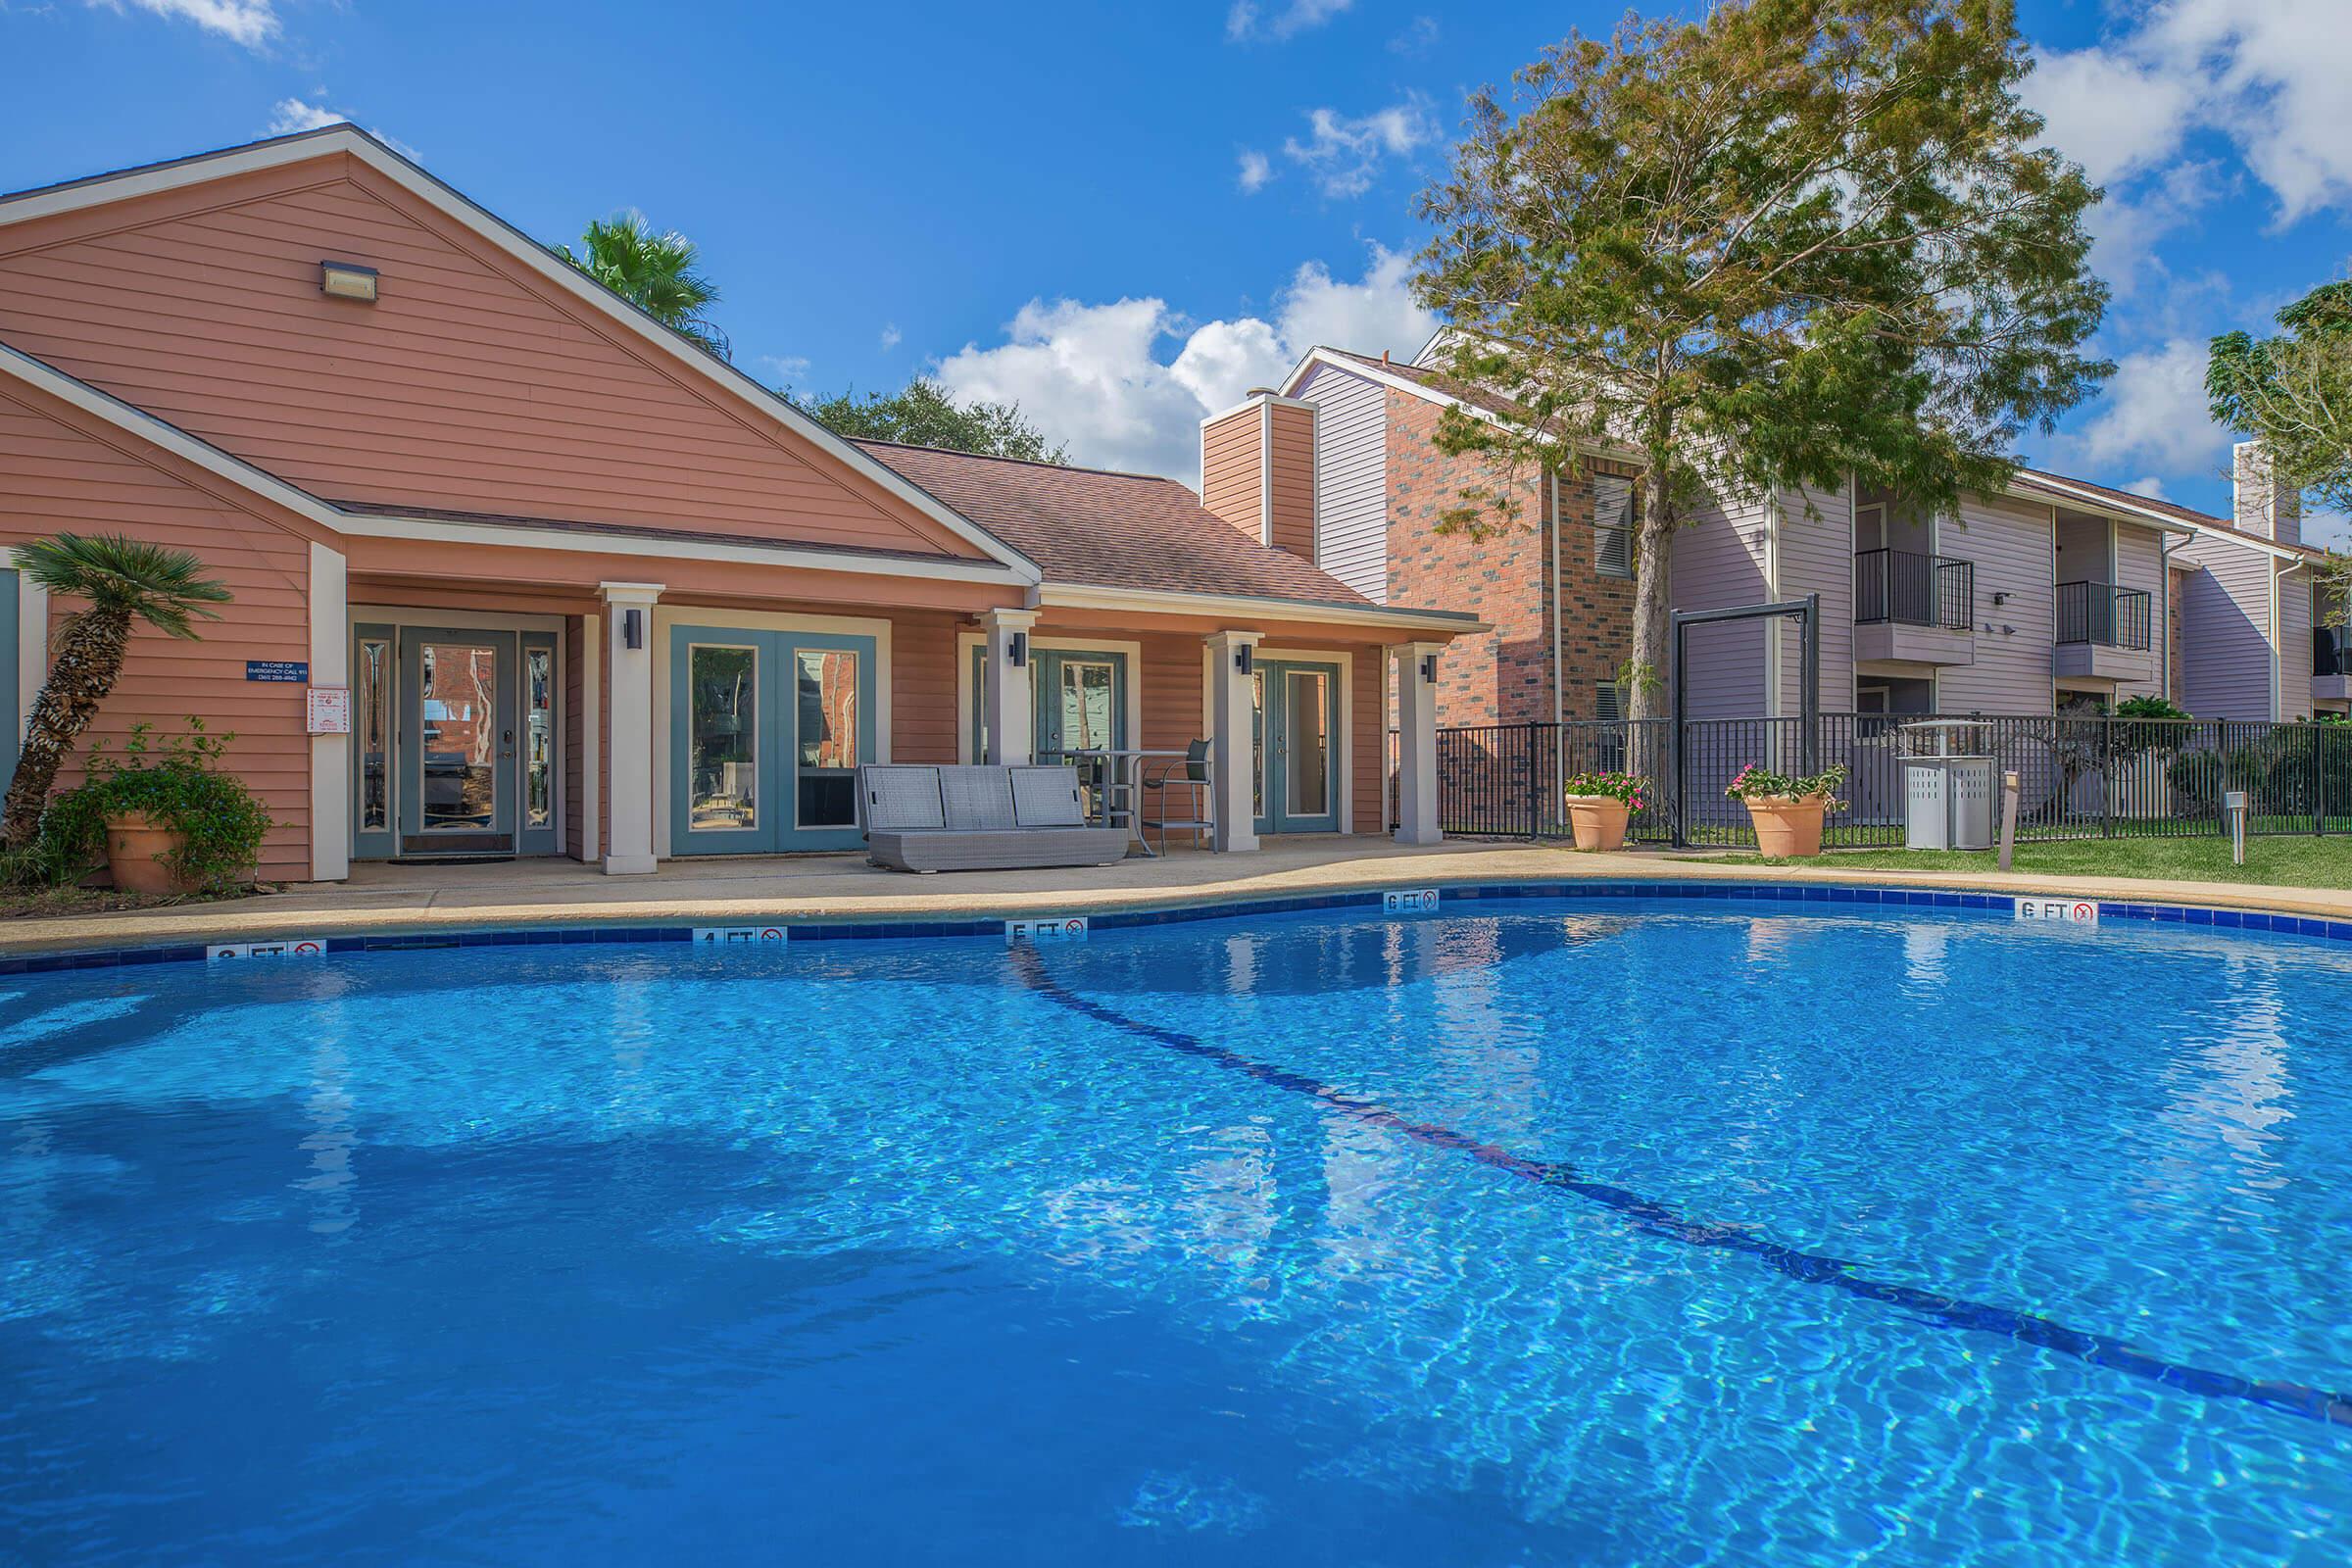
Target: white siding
<point x="2225" y="630"/>
<point x="1816" y="555"/>
<point x="1351" y="504"/>
<point x="1718" y="562"/>
<point x="2012" y="544"/>
<point x="2139" y="564"/>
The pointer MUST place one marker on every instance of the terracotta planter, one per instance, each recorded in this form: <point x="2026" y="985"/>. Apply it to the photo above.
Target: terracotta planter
<point x="136" y="851"/>
<point x="1598" y="820"/>
<point x="1788" y="828"/>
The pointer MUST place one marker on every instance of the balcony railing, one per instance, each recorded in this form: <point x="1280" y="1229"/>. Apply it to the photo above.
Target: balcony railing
<point x="2102" y="612"/>
<point x="1913" y="590"/>
<point x="2331" y="651"/>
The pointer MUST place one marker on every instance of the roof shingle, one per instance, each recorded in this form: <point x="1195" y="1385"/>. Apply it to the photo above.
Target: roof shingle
<point x="1109" y="529"/>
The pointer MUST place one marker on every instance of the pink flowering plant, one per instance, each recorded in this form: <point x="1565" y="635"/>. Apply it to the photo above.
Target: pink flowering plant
<point x="1630" y="788"/>
<point x="1759" y="783"/>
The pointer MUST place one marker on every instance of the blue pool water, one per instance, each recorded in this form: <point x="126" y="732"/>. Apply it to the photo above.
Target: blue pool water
<point x="1580" y="1234"/>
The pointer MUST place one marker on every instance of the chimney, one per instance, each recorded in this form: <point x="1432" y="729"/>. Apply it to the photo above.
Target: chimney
<point x="2260" y="505"/>
<point x="1257" y="469"/>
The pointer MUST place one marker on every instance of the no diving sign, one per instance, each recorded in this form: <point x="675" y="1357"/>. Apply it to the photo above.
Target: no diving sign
<point x="2065" y="911"/>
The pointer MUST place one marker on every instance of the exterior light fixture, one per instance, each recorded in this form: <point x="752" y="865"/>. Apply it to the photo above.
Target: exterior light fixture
<point x="347" y="280"/>
<point x="1429" y="669"/>
<point x="632" y="629"/>
<point x="1243" y="661"/>
<point x="1018" y="652"/>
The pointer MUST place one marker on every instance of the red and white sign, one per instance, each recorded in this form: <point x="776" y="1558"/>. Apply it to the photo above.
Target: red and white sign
<point x="330" y="710"/>
<point x="2066" y="911"/>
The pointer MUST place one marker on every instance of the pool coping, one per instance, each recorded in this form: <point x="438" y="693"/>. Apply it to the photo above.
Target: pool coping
<point x="566" y="927"/>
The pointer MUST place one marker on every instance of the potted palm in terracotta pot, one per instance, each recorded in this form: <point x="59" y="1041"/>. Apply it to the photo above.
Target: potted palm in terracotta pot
<point x="1788" y="808"/>
<point x="1600" y="804"/>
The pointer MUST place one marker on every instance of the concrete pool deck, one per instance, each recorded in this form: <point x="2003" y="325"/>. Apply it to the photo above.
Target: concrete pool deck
<point x="384" y="898"/>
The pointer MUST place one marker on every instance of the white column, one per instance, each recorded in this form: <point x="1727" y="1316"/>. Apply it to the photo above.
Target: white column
<point x="32" y="646"/>
<point x="591" y="805"/>
<point x="1006" y="703"/>
<point x="331" y="755"/>
<point x="1417" y="743"/>
<point x="629" y="766"/>
<point x="1232" y="750"/>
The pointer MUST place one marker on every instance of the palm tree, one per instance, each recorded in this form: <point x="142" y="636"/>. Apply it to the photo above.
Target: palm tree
<point x="124" y="580"/>
<point x="656" y="273"/>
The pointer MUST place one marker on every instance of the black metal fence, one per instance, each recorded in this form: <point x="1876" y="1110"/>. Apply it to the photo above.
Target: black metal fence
<point x="2079" y="777"/>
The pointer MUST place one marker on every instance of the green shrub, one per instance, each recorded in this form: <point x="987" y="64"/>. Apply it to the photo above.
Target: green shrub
<point x="181" y="787"/>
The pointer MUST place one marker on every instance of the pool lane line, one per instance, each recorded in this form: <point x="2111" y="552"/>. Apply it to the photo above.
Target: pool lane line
<point x="1655" y="1218"/>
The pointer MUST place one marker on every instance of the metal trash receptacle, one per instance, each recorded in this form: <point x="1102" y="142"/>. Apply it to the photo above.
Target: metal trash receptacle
<point x="1947" y="798"/>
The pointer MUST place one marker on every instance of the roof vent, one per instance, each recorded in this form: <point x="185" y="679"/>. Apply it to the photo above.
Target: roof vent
<point x="1259" y="392"/>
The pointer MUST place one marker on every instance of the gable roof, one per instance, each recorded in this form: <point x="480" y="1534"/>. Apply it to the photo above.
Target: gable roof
<point x="346" y="139"/>
<point x="1112" y="530"/>
<point x="2200" y="522"/>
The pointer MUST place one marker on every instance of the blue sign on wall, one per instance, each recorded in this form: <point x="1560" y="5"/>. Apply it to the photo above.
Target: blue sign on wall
<point x="287" y="669"/>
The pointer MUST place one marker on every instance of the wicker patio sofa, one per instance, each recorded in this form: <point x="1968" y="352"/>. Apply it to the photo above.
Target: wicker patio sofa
<point x="979" y="819"/>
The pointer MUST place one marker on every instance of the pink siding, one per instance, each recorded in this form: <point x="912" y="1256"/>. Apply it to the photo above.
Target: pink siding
<point x="55" y="475"/>
<point x="1231" y="482"/>
<point x="1291" y="523"/>
<point x="471" y="385"/>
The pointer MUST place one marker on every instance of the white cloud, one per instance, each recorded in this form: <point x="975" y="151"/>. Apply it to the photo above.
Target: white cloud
<point x="1093" y="376"/>
<point x="251" y="23"/>
<point x="891" y="336"/>
<point x="1257" y="172"/>
<point x="2154" y="415"/>
<point x="1243" y="20"/>
<point x="1344" y="154"/>
<point x="2126" y="229"/>
<point x="2267" y="75"/>
<point x="788" y="371"/>
<point x="1416" y="38"/>
<point x="2147" y="484"/>
<point x="291" y="114"/>
<point x="2113" y="113"/>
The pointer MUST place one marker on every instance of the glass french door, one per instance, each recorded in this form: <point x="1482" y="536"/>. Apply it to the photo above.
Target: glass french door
<point x="455" y="741"/>
<point x="1296" y="726"/>
<point x="767" y="731"/>
<point x="1078" y="702"/>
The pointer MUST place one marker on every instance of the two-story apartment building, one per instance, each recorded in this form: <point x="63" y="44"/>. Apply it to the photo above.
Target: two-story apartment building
<point x="2013" y="603"/>
<point x="2256" y="633"/>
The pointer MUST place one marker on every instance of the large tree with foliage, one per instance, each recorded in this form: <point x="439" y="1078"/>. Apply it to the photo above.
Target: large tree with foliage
<point x="120" y="582"/>
<point x="2293" y="393"/>
<point x="658" y="273"/>
<point x="927" y="414"/>
<point x="1790" y="244"/>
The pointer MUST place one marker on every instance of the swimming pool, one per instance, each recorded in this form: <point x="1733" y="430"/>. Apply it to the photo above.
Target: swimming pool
<point x="1623" y="1232"/>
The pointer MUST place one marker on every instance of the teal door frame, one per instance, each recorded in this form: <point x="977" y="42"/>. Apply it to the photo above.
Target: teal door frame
<point x="546" y="838"/>
<point x="409" y="728"/>
<point x="376" y="843"/>
<point x="1045" y="670"/>
<point x="779" y="719"/>
<point x="1273" y="750"/>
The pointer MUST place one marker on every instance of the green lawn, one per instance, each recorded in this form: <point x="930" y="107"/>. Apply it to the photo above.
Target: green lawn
<point x="2303" y="860"/>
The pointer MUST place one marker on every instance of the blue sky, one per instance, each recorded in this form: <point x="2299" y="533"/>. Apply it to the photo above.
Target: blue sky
<point x="1122" y="214"/>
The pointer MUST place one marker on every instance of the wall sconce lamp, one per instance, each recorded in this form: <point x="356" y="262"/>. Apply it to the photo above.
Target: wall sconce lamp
<point x="1018" y="651"/>
<point x="347" y="280"/>
<point x="632" y="629"/>
<point x="1245" y="658"/>
<point x="1999" y="600"/>
<point x="1429" y="669"/>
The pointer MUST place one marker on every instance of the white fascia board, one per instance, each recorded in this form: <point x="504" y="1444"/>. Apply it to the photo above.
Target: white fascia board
<point x="302" y="146"/>
<point x="1239" y="606"/>
<point x="1279" y="400"/>
<point x="167" y="437"/>
<point x="2079" y="500"/>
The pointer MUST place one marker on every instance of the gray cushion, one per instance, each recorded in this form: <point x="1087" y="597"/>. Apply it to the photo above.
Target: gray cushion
<point x="976" y="797"/>
<point x="1047" y="797"/>
<point x="900" y="797"/>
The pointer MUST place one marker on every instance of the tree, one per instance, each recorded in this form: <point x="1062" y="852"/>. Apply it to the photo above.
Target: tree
<point x="124" y="580"/>
<point x="656" y="273"/>
<point x="2293" y="393"/>
<point x="927" y="414"/>
<point x="1796" y="243"/>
